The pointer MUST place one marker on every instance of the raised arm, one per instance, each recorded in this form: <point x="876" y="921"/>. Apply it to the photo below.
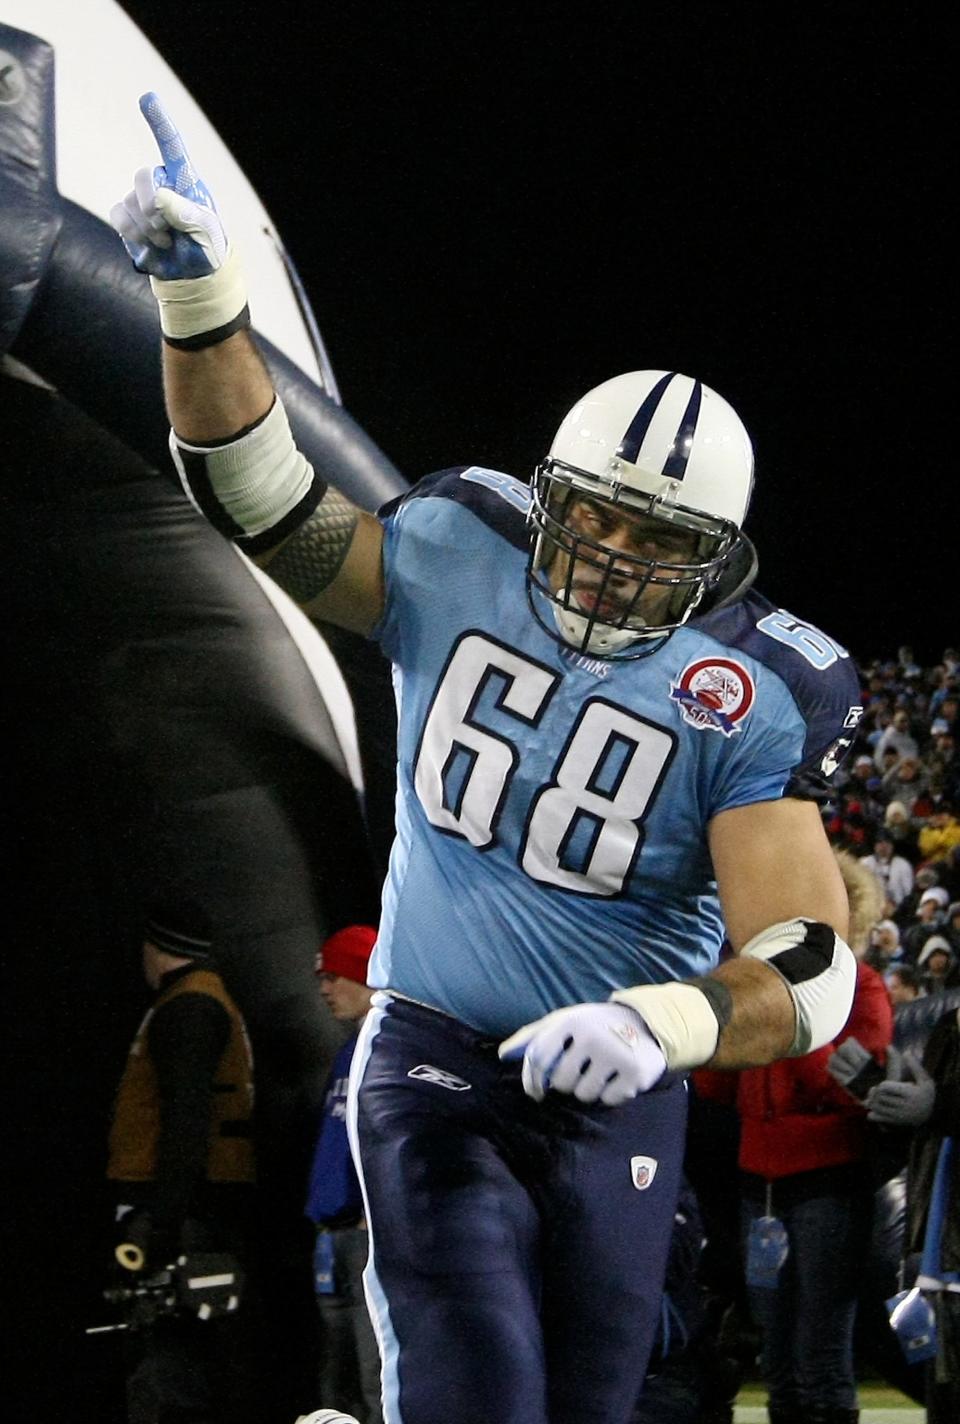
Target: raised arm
<point x="230" y="439"/>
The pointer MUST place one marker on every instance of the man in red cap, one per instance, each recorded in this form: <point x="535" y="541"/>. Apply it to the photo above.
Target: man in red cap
<point x="342" y="969"/>
<point x="349" y="1357"/>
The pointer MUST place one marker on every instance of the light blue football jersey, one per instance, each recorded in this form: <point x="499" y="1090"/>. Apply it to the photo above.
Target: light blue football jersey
<point x="552" y="807"/>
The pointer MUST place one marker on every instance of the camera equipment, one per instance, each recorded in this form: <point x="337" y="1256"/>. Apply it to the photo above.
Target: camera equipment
<point x="203" y="1284"/>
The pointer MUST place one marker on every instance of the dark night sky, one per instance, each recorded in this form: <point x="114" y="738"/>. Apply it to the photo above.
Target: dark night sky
<point x="493" y="208"/>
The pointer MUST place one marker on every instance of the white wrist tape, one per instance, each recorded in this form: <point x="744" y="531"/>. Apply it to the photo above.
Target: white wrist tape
<point x="681" y="1019"/>
<point x="255" y="489"/>
<point x="191" y="310"/>
<point x="819" y="970"/>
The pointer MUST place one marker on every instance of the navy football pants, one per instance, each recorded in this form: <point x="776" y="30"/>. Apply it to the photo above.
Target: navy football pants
<point x="517" y="1248"/>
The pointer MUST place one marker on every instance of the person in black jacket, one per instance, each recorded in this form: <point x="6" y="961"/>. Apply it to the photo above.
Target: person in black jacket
<point x="926" y="1101"/>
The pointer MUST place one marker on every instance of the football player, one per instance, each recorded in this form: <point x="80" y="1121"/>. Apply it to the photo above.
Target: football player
<point x="607" y="747"/>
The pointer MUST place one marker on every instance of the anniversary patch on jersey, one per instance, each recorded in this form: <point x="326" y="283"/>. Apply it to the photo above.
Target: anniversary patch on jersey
<point x="714" y="694"/>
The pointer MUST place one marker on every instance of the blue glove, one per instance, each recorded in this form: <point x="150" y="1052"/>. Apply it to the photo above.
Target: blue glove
<point x="905" y="1101"/>
<point x="169" y="222"/>
<point x="598" y="1052"/>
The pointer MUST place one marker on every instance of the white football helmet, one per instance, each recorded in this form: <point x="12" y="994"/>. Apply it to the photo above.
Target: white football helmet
<point x="661" y="446"/>
<point x="326" y="1416"/>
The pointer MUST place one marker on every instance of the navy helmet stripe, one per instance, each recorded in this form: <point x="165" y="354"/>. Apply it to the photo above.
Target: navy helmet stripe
<point x="629" y="447"/>
<point x="676" y="466"/>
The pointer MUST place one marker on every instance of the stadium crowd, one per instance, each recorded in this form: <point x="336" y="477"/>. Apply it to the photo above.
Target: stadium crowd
<point x="895" y="806"/>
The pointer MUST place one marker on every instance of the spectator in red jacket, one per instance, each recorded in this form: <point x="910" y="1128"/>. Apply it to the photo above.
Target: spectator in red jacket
<point x="803" y="1165"/>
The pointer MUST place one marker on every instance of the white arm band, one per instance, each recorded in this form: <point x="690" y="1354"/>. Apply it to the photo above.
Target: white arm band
<point x="818" y="968"/>
<point x="820" y="971"/>
<point x="255" y="489"/>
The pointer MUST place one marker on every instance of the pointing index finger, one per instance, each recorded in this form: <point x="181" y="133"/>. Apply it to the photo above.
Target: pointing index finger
<point x="173" y="151"/>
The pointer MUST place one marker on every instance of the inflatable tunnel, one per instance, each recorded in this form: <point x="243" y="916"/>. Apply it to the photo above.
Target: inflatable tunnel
<point x="205" y="686"/>
<point x="175" y="726"/>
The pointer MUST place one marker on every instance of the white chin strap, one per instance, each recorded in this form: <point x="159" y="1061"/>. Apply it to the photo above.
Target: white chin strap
<point x="602" y="640"/>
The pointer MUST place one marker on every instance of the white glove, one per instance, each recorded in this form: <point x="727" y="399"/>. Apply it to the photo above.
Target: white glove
<point x="169" y="222"/>
<point x="598" y="1052"/>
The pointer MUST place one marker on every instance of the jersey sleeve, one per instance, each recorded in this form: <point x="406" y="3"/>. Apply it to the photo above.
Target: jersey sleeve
<point x="759" y="765"/>
<point x="423" y="543"/>
<point x="808" y="708"/>
<point x="403" y="555"/>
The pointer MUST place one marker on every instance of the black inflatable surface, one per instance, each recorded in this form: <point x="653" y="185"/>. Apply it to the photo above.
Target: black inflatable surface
<point x="163" y="735"/>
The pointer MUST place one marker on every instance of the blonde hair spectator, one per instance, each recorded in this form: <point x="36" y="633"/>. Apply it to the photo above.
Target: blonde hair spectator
<point x="865" y="897"/>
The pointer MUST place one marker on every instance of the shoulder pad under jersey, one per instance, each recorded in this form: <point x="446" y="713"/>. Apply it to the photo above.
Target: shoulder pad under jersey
<point x="500" y="500"/>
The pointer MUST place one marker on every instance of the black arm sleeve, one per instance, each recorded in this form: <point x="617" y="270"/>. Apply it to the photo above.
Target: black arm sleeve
<point x="946" y="1109"/>
<point x="941" y="1058"/>
<point x="187" y="1040"/>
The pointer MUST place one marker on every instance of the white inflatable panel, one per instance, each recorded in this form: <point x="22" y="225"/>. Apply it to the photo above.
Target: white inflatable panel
<point x="103" y="65"/>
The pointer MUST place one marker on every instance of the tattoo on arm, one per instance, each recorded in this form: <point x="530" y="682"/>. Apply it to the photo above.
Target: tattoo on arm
<point x="312" y="557"/>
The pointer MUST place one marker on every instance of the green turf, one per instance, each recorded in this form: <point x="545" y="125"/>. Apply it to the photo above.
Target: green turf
<point x="872" y="1396"/>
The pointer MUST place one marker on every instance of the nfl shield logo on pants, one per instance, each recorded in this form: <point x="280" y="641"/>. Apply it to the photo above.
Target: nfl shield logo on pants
<point x="642" y="1172"/>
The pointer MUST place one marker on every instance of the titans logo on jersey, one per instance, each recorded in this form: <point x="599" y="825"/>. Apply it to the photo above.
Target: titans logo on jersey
<point x="552" y="808"/>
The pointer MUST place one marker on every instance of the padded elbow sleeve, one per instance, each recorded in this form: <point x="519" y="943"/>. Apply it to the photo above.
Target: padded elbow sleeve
<point x="819" y="970"/>
<point x="256" y="488"/>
